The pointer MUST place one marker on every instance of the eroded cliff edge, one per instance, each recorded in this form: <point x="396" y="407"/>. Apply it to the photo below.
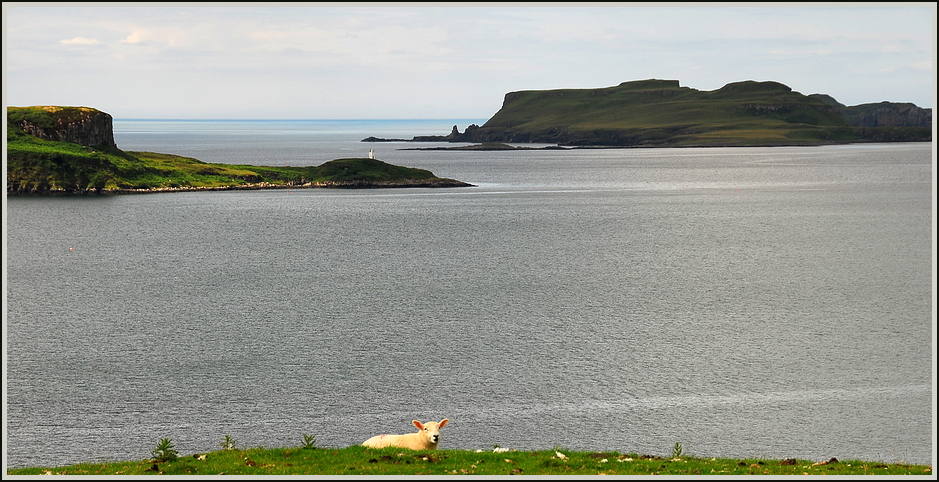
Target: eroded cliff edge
<point x="79" y="125"/>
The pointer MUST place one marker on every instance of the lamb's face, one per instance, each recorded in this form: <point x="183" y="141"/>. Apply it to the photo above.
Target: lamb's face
<point x="431" y="430"/>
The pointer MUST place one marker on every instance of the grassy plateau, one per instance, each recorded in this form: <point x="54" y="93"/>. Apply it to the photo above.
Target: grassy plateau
<point x="663" y="114"/>
<point x="357" y="460"/>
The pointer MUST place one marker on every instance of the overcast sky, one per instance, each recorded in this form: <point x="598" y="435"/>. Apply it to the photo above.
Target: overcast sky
<point x="414" y="61"/>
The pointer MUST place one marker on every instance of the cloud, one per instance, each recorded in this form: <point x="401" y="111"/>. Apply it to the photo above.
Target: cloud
<point x="134" y="38"/>
<point x="345" y="61"/>
<point x="801" y="52"/>
<point x="924" y="65"/>
<point x="80" y="41"/>
<point x="188" y="38"/>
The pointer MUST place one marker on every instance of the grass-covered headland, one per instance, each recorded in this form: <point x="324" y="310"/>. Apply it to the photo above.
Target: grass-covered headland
<point x="42" y="165"/>
<point x="357" y="460"/>
<point x="661" y="113"/>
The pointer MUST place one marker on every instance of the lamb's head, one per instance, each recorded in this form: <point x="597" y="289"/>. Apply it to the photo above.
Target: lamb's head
<point x="431" y="430"/>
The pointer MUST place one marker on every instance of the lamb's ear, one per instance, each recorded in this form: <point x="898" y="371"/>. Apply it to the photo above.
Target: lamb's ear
<point x="443" y="422"/>
<point x="418" y="424"/>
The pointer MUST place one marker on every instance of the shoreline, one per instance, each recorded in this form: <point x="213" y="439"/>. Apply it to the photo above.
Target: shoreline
<point x="422" y="183"/>
<point x="484" y="147"/>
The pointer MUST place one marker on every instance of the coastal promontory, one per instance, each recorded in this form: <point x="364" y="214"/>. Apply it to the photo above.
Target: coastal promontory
<point x="662" y="113"/>
<point x="56" y="149"/>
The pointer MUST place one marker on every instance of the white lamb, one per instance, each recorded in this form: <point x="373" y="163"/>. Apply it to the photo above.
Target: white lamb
<point x="426" y="439"/>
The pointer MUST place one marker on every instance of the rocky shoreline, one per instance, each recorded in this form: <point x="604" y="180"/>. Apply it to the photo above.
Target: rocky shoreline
<point x="432" y="183"/>
<point x="487" y="146"/>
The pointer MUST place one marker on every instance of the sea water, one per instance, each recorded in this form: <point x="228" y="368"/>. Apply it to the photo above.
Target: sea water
<point x="744" y="302"/>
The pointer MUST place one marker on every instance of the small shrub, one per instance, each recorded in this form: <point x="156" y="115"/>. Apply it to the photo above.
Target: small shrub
<point x="676" y="450"/>
<point x="309" y="441"/>
<point x="228" y="443"/>
<point x="165" y="451"/>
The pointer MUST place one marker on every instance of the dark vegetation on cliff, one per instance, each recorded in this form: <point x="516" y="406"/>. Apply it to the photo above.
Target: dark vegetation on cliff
<point x="72" y="150"/>
<point x="662" y="113"/>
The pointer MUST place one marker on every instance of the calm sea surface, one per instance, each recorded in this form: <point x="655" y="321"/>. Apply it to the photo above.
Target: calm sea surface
<point x="745" y="302"/>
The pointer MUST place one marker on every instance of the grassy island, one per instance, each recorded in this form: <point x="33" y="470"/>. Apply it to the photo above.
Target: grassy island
<point x="361" y="461"/>
<point x="661" y="113"/>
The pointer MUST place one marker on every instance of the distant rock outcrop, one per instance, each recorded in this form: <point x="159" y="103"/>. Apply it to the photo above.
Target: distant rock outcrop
<point x="79" y="125"/>
<point x="454" y="136"/>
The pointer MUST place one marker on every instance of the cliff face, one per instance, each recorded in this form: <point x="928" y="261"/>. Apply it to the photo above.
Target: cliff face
<point x="80" y="125"/>
<point x="883" y="114"/>
<point x="890" y="114"/>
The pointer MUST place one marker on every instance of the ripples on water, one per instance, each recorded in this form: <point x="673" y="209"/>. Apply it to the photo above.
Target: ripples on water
<point x="771" y="302"/>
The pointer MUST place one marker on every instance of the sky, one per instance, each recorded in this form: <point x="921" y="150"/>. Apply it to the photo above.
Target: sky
<point x="437" y="61"/>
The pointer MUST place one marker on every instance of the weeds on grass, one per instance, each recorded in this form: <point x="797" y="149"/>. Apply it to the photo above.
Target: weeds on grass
<point x="165" y="451"/>
<point x="309" y="441"/>
<point x="228" y="443"/>
<point x="676" y="450"/>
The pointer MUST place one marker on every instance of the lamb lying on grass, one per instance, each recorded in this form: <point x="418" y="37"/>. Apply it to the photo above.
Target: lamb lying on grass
<point x="426" y="439"/>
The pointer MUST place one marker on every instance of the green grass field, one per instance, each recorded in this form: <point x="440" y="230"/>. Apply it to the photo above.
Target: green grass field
<point x="358" y="460"/>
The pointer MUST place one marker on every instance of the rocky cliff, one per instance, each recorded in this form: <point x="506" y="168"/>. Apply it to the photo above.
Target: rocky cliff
<point x="890" y="114"/>
<point x="79" y="125"/>
<point x="882" y="114"/>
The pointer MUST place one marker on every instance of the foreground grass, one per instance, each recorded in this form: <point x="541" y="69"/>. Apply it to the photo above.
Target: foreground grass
<point x="357" y="460"/>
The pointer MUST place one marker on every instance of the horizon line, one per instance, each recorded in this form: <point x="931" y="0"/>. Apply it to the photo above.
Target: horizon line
<point x="296" y="119"/>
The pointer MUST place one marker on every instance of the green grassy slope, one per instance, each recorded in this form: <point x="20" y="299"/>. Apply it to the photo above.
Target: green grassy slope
<point x="36" y="165"/>
<point x="660" y="112"/>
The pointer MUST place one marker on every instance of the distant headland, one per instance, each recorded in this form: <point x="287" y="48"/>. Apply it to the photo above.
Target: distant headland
<point x="661" y="113"/>
<point x="56" y="149"/>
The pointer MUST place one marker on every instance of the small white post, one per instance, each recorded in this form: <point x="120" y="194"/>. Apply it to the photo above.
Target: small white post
<point x="371" y="154"/>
